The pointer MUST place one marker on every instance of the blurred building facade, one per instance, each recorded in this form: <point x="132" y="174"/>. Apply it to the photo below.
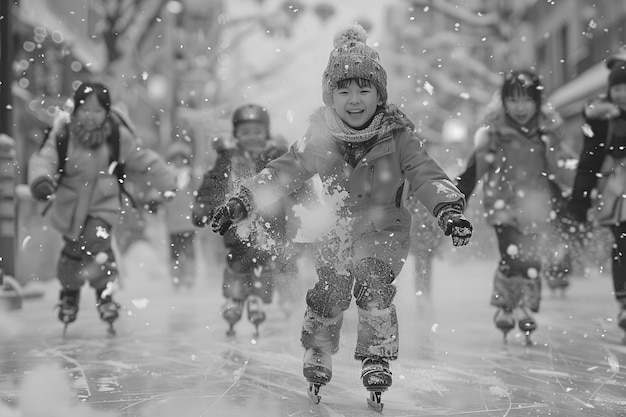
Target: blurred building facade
<point x="572" y="41"/>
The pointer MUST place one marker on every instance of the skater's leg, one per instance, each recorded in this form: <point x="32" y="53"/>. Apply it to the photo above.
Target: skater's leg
<point x="326" y="302"/>
<point x="377" y="333"/>
<point x="69" y="301"/>
<point x="287" y="277"/>
<point x="516" y="283"/>
<point x="101" y="268"/>
<point x="234" y="290"/>
<point x="321" y="327"/>
<point x="619" y="270"/>
<point x="182" y="258"/>
<point x="175" y="262"/>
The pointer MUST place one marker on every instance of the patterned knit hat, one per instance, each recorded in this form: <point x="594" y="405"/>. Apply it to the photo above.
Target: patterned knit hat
<point x="352" y="58"/>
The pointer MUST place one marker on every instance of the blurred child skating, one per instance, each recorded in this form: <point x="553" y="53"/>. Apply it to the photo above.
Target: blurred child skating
<point x="254" y="251"/>
<point x="365" y="152"/>
<point x="602" y="167"/>
<point x="77" y="174"/>
<point x="523" y="162"/>
<point x="177" y="215"/>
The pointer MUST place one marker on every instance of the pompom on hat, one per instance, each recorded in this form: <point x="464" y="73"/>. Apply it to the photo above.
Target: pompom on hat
<point x="352" y="58"/>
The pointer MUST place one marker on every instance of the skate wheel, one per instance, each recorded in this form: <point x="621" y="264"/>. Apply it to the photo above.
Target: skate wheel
<point x="374" y="401"/>
<point x="313" y="391"/>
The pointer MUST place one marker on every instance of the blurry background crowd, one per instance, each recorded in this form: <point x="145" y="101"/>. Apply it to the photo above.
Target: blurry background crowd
<point x="178" y="68"/>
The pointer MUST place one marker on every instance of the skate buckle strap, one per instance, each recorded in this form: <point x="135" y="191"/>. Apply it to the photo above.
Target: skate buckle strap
<point x="374" y="368"/>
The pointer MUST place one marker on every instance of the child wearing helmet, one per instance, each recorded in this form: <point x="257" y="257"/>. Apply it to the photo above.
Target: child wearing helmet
<point x="253" y="253"/>
<point x="365" y="152"/>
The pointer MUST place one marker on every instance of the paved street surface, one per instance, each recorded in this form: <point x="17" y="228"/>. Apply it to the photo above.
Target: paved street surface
<point x="171" y="357"/>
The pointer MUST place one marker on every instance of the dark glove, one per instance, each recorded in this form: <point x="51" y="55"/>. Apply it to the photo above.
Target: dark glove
<point x="227" y="214"/>
<point x="42" y="189"/>
<point x="198" y="218"/>
<point x="452" y="222"/>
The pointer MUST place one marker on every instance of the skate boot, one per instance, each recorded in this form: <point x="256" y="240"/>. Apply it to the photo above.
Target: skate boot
<point x="231" y="312"/>
<point x="526" y="324"/>
<point x="256" y="316"/>
<point x="107" y="308"/>
<point x="558" y="285"/>
<point x="317" y="370"/>
<point x="68" y="307"/>
<point x="376" y="378"/>
<point x="504" y="320"/>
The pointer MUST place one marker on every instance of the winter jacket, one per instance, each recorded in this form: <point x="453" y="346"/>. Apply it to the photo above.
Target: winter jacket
<point x="371" y="191"/>
<point x="604" y="149"/>
<point x="234" y="165"/>
<point x="87" y="186"/>
<point x="525" y="172"/>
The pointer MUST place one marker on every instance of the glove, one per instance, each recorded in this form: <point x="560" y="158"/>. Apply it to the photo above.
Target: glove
<point x="198" y="218"/>
<point x="601" y="110"/>
<point x="452" y="222"/>
<point x="227" y="214"/>
<point x="43" y="189"/>
<point x="169" y="195"/>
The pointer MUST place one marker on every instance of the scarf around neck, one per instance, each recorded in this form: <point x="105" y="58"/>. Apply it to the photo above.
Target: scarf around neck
<point x="91" y="139"/>
<point x="339" y="129"/>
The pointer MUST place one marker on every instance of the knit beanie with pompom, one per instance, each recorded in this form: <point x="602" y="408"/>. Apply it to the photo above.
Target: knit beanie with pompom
<point x="352" y="58"/>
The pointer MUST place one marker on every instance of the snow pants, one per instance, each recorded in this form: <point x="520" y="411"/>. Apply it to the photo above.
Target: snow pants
<point x="378" y="259"/>
<point x="618" y="267"/>
<point x="88" y="258"/>
<point x="249" y="271"/>
<point x="183" y="257"/>
<point x="516" y="282"/>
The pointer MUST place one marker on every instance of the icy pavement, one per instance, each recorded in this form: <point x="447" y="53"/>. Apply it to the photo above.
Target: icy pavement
<point x="171" y="357"/>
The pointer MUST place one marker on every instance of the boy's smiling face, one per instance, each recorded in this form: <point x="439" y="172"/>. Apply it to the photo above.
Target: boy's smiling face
<point x="355" y="104"/>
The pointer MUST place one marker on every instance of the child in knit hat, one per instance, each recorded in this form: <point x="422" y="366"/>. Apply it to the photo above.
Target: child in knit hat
<point x="365" y="152"/>
<point x="604" y="150"/>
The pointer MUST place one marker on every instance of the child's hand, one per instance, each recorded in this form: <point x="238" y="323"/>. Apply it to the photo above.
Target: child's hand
<point x="452" y="222"/>
<point x="43" y="189"/>
<point x="200" y="220"/>
<point x="227" y="214"/>
<point x="601" y="110"/>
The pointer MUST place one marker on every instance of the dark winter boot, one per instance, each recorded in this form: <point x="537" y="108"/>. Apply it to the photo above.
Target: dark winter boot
<point x="232" y="311"/>
<point x="504" y="319"/>
<point x="107" y="308"/>
<point x="68" y="305"/>
<point x="256" y="315"/>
